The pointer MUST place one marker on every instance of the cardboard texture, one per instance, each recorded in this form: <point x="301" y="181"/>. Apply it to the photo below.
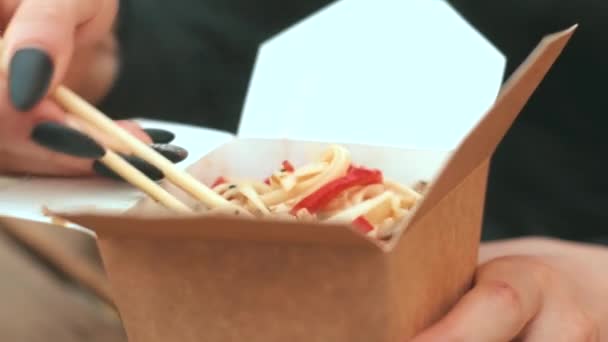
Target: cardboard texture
<point x="200" y="278"/>
<point x="412" y="64"/>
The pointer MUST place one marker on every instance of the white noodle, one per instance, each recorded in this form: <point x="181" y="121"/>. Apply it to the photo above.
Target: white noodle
<point x="382" y="204"/>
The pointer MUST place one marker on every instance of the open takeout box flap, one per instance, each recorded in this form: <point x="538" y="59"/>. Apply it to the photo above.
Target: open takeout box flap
<point x="482" y="141"/>
<point x="444" y="170"/>
<point x="220" y="228"/>
<point x="23" y="197"/>
<point x="414" y="75"/>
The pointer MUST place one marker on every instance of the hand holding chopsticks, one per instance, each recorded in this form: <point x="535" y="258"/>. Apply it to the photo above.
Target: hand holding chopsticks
<point x="78" y="107"/>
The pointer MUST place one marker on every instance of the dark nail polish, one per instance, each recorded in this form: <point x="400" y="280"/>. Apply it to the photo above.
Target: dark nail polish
<point x="30" y="74"/>
<point x="144" y="167"/>
<point x="62" y="139"/>
<point x="174" y="153"/>
<point x="160" y="136"/>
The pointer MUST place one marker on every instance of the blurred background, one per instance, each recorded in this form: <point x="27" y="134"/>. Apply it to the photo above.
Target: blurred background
<point x="547" y="178"/>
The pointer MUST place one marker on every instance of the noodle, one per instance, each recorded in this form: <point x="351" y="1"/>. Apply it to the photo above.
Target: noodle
<point x="330" y="189"/>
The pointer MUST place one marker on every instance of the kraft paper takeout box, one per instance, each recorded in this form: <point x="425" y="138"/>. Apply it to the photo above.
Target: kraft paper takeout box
<point x="202" y="278"/>
<point x="234" y="279"/>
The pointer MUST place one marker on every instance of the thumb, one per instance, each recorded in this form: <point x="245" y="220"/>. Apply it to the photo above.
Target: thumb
<point x="508" y="286"/>
<point x="40" y="39"/>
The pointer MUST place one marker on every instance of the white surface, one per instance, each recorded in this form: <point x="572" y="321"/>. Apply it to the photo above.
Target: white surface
<point x="386" y="72"/>
<point x="408" y="73"/>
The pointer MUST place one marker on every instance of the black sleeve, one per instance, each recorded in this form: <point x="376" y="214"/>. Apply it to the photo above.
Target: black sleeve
<point x="190" y="60"/>
<point x="168" y="70"/>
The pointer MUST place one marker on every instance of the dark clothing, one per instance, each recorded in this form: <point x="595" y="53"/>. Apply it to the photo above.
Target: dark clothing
<point x="549" y="174"/>
<point x="190" y="61"/>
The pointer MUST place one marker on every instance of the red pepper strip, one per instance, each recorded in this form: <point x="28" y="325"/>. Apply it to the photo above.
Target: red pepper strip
<point x="363" y="224"/>
<point x="320" y="198"/>
<point x="287" y="166"/>
<point x="218" y="181"/>
<point x="267" y="181"/>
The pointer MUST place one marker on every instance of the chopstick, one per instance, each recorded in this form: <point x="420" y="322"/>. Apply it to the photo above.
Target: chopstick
<point x="77" y="106"/>
<point x="142" y="182"/>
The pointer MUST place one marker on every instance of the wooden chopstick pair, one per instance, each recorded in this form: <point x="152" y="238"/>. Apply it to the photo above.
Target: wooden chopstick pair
<point x="77" y="106"/>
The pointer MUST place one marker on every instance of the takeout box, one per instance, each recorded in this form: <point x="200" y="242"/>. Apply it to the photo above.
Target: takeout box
<point x="230" y="278"/>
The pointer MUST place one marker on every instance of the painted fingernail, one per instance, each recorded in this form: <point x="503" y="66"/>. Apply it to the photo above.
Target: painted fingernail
<point x="30" y="74"/>
<point x="174" y="153"/>
<point x="62" y="139"/>
<point x="144" y="167"/>
<point x="160" y="136"/>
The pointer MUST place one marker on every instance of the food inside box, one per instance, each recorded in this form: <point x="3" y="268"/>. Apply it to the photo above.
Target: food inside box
<point x="332" y="188"/>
